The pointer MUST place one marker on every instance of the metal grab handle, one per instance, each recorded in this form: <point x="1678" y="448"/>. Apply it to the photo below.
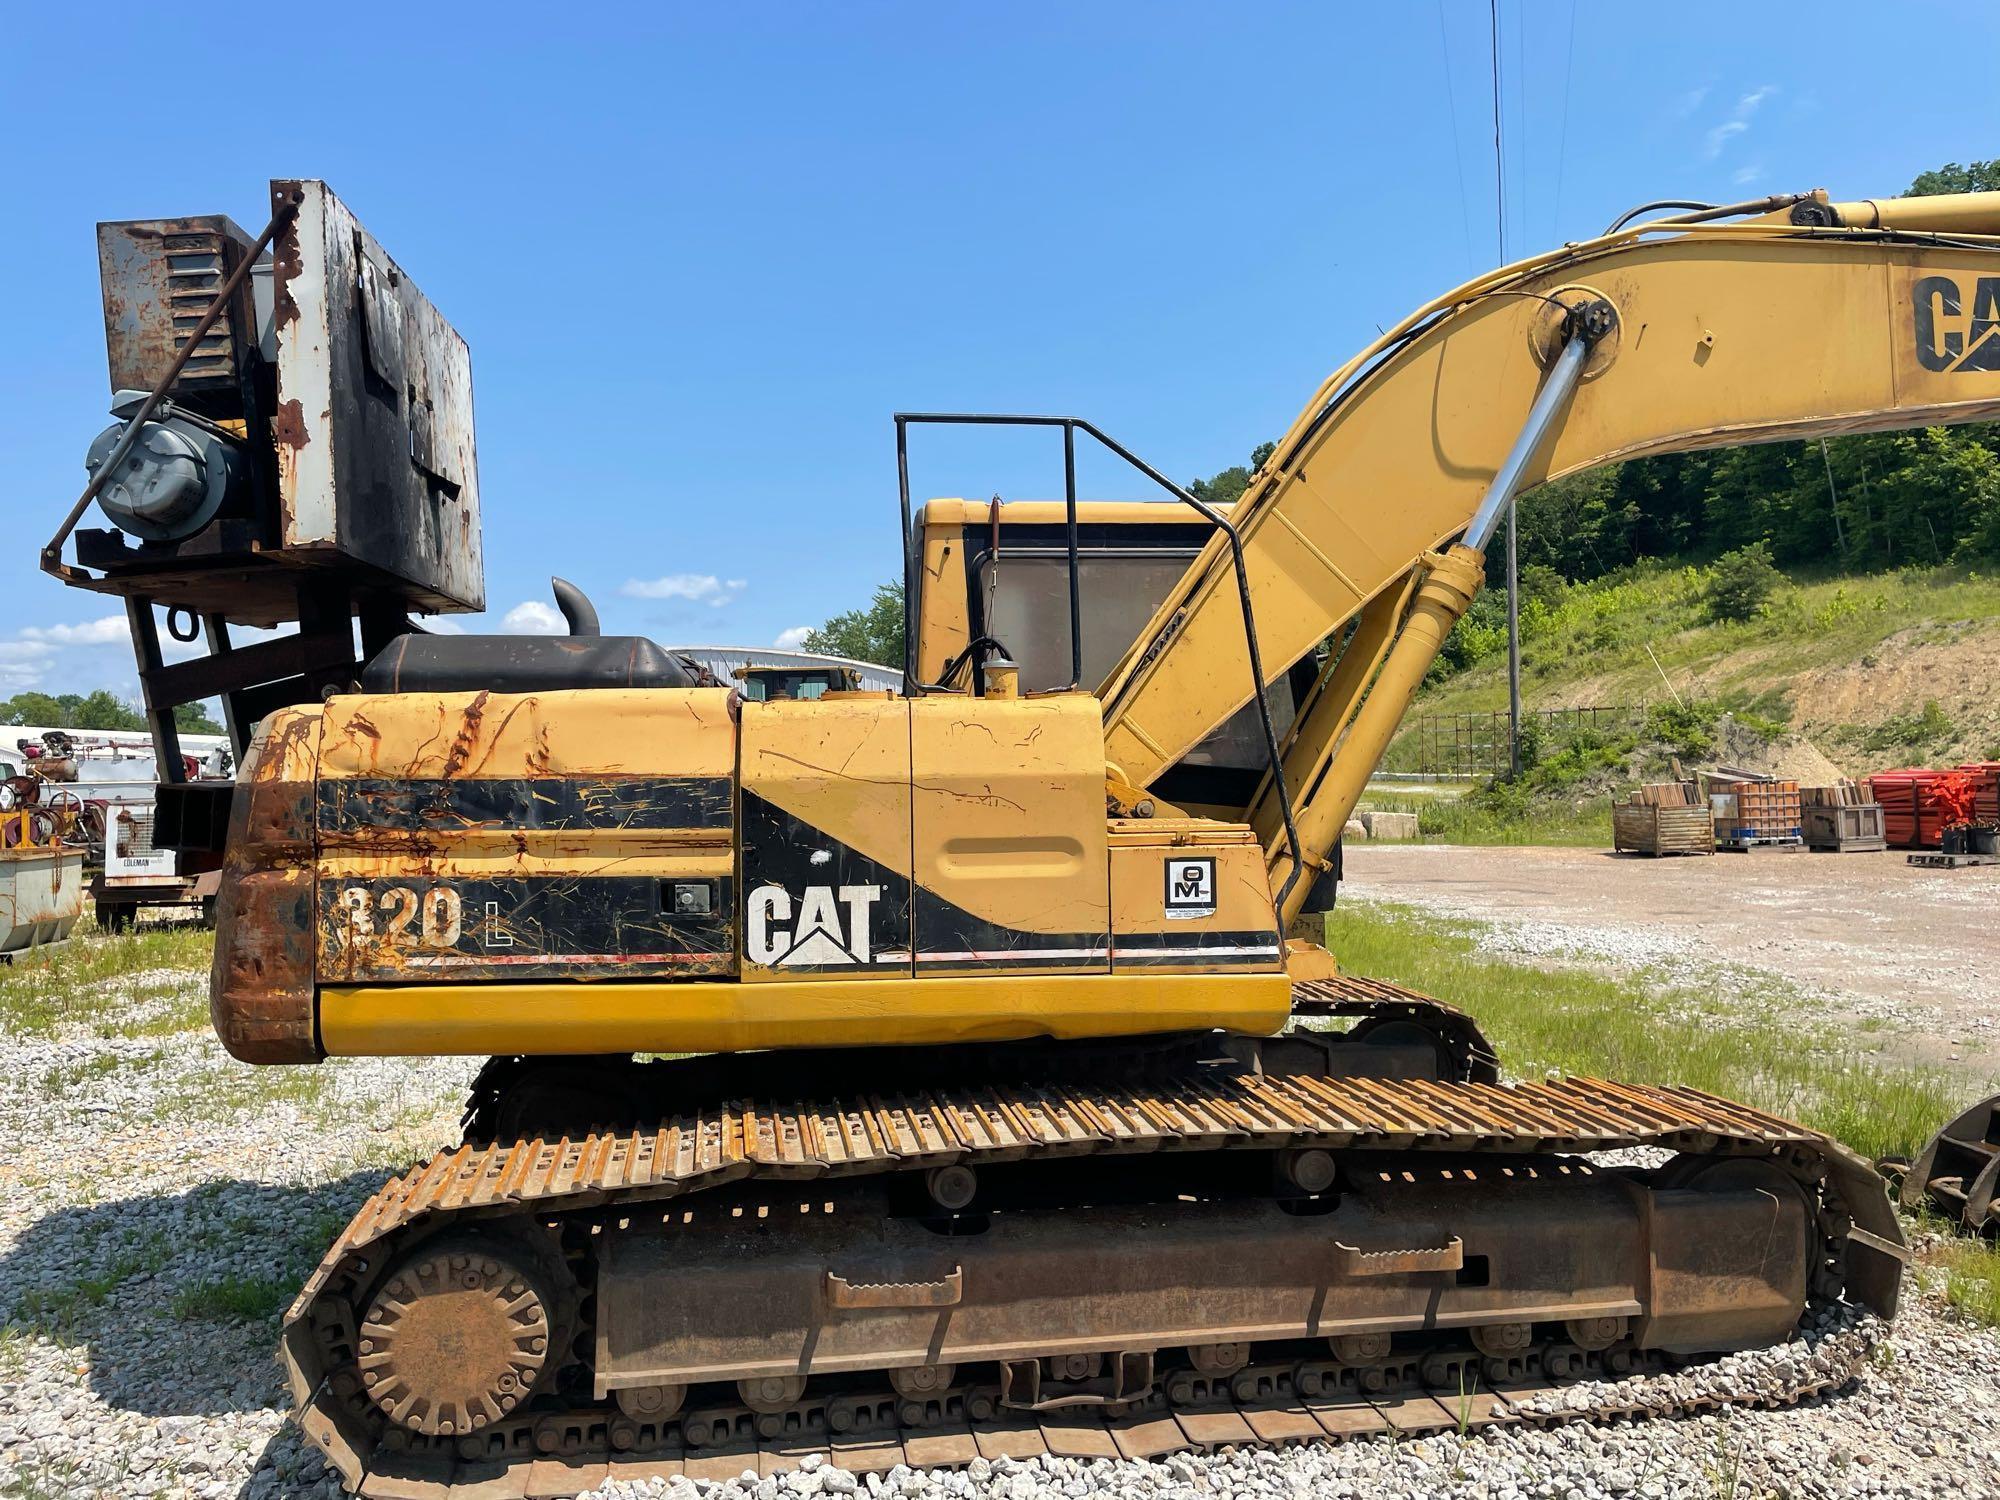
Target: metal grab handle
<point x="840" y="1292"/>
<point x="1348" y="1260"/>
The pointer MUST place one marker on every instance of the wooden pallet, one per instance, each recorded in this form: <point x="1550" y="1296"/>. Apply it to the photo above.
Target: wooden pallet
<point x="1644" y="828"/>
<point x="1779" y="844"/>
<point x="1931" y="860"/>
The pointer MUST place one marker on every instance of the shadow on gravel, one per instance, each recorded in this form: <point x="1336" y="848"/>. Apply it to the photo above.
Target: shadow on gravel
<point x="286" y="1469"/>
<point x="174" y="1300"/>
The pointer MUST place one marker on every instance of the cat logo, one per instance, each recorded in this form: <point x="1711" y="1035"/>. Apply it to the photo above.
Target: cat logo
<point x="1944" y="342"/>
<point x="821" y="938"/>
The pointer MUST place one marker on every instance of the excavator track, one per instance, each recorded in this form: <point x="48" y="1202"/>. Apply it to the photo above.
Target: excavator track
<point x="540" y="1428"/>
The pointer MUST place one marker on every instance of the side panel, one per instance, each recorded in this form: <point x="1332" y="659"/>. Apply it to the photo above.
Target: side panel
<point x="826" y="839"/>
<point x="261" y="997"/>
<point x="563" y="1018"/>
<point x="472" y="836"/>
<point x="1189" y="897"/>
<point x="1010" y="849"/>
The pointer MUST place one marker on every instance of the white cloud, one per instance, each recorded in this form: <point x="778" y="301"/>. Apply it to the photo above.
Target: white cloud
<point x="1738" y="121"/>
<point x="109" y="630"/>
<point x="793" y="639"/>
<point x="1689" y="102"/>
<point x="1719" y="137"/>
<point x="441" y="625"/>
<point x="24" y="650"/>
<point x="1744" y="176"/>
<point x="697" y="588"/>
<point x="532" y="617"/>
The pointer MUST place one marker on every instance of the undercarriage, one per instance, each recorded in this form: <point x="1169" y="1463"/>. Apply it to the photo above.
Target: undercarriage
<point x="1223" y="1241"/>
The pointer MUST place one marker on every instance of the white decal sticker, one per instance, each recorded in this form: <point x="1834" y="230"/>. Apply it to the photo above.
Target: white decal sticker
<point x="832" y="926"/>
<point x="1190" y="888"/>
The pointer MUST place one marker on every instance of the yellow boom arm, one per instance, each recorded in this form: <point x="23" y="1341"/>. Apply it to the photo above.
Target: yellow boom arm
<point x="1820" y="318"/>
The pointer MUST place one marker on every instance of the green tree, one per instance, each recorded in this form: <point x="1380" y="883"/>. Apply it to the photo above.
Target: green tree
<point x="193" y="718"/>
<point x="102" y="711"/>
<point x="98" y="710"/>
<point x="1227" y="487"/>
<point x="871" y="634"/>
<point x="34" y="708"/>
<point x="1741" y="582"/>
<point x="1973" y="177"/>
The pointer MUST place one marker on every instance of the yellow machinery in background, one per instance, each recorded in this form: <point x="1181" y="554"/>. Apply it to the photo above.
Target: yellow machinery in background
<point x="1014" y="1110"/>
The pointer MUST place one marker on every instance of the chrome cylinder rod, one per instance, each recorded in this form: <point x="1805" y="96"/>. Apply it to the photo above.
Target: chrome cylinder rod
<point x="1552" y="397"/>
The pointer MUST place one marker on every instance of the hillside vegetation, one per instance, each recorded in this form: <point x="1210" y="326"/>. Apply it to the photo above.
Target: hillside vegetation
<point x="1873" y="670"/>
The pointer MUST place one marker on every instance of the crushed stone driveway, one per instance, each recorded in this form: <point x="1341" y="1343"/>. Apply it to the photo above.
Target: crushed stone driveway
<point x="1866" y="934"/>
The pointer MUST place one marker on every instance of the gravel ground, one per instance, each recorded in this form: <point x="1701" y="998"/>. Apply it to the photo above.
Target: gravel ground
<point x="1865" y="935"/>
<point x="159" y="1204"/>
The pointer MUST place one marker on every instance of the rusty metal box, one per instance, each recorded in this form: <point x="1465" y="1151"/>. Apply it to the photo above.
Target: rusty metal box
<point x="373" y="423"/>
<point x="349" y="393"/>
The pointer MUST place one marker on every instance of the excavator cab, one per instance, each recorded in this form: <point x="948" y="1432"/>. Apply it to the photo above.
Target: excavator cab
<point x="997" y="571"/>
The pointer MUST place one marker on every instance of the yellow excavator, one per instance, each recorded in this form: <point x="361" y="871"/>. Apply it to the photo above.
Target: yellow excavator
<point x="925" y="1075"/>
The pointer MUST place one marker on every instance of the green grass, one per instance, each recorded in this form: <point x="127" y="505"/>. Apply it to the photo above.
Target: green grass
<point x="1453" y="820"/>
<point x="55" y="1311"/>
<point x="1758" y="1044"/>
<point x="1971" y="1278"/>
<point x="78" y="983"/>
<point x="47" y="1481"/>
<point x="66" y="1076"/>
<point x="235" y="1299"/>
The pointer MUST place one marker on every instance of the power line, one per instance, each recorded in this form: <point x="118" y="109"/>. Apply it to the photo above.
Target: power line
<point x="1457" y="145"/>
<point x="1499" y="153"/>
<point x="1521" y="176"/>
<point x="1562" y="141"/>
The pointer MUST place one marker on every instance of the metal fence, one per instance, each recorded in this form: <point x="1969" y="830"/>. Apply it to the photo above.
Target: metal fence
<point x="1473" y="747"/>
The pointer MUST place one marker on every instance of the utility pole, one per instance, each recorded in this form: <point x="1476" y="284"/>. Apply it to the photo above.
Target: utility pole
<point x="1513" y="647"/>
<point x="1832" y="498"/>
<point x="1513" y="572"/>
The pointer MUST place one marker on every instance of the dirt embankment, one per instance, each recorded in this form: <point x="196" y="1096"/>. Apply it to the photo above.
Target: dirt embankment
<point x="1956" y="666"/>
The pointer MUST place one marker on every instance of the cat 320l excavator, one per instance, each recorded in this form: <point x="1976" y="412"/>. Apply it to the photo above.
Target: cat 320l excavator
<point x="1000" y="1113"/>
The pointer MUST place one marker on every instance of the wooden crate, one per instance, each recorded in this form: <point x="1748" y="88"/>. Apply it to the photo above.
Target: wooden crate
<point x="1641" y="828"/>
<point x="1842" y="793"/>
<point x="1844" y="829"/>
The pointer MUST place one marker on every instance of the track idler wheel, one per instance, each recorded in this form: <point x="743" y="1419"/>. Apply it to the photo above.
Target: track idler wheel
<point x="651" y="1403"/>
<point x="914" y="1382"/>
<point x="1564" y="1363"/>
<point x="1218" y="1359"/>
<point x="1595" y="1334"/>
<point x="772" y="1394"/>
<point x="457" y="1335"/>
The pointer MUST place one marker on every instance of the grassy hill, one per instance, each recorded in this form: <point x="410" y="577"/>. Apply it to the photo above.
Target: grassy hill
<point x="1873" y="670"/>
<point x="1829" y="676"/>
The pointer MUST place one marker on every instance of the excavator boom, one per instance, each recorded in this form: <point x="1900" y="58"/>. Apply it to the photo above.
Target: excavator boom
<point x="1819" y="318"/>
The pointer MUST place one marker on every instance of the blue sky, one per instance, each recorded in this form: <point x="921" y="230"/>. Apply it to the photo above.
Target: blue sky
<point x="701" y="252"/>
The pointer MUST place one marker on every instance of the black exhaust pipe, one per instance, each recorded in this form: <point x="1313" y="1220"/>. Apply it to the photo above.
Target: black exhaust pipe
<point x="575" y="606"/>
